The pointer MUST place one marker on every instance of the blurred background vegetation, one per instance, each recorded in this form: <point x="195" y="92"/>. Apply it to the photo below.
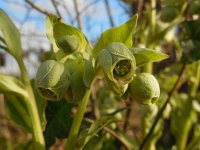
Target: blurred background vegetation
<point x="169" y="26"/>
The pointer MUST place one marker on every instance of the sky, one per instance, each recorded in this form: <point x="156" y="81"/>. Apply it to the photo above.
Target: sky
<point x="31" y="23"/>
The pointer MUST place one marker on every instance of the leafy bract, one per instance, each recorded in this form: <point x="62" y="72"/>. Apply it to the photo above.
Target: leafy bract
<point x="11" y="35"/>
<point x="144" y="55"/>
<point x="10" y="85"/>
<point x="121" y="34"/>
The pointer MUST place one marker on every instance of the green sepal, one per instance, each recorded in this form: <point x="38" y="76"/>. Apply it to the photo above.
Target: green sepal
<point x="68" y="38"/>
<point x="119" y="89"/>
<point x="145" y="55"/>
<point x="52" y="80"/>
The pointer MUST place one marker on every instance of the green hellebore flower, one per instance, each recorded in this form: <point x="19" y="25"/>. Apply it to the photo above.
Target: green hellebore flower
<point x="145" y="88"/>
<point x="117" y="63"/>
<point x="52" y="80"/>
<point x="68" y="43"/>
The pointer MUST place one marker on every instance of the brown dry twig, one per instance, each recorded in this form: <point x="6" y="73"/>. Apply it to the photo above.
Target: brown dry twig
<point x="37" y="8"/>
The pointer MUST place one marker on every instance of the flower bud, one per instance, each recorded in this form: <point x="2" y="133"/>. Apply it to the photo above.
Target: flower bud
<point x="68" y="43"/>
<point x="117" y="63"/>
<point x="52" y="80"/>
<point x="145" y="88"/>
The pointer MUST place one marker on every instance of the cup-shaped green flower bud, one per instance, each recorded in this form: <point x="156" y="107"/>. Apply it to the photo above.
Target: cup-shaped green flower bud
<point x="117" y="63"/>
<point x="68" y="43"/>
<point x="52" y="80"/>
<point x="145" y="88"/>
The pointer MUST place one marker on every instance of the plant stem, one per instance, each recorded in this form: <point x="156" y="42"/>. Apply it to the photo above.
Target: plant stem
<point x="38" y="137"/>
<point x="149" y="67"/>
<point x="182" y="140"/>
<point x="160" y="113"/>
<point x="71" y="141"/>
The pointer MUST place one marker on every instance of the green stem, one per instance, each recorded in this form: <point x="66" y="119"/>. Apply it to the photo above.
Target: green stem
<point x="196" y="82"/>
<point x="71" y="141"/>
<point x="182" y="139"/>
<point x="149" y="67"/>
<point x="38" y="137"/>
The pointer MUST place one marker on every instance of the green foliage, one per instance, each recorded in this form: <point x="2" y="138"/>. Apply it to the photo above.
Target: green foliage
<point x="16" y="110"/>
<point x="122" y="34"/>
<point x="73" y="75"/>
<point x="11" y="35"/>
<point x="11" y="85"/>
<point x="59" y="121"/>
<point x="144" y="55"/>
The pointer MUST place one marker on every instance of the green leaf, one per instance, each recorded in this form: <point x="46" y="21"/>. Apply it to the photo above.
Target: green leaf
<point x="121" y="34"/>
<point x="10" y="85"/>
<point x="16" y="111"/>
<point x="58" y="121"/>
<point x="144" y="55"/>
<point x="11" y="35"/>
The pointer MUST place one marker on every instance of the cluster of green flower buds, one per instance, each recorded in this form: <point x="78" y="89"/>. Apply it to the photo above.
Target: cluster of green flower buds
<point x="118" y="64"/>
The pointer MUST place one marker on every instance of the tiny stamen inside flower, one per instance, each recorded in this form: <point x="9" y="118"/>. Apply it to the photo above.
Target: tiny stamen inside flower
<point x="47" y="92"/>
<point x="122" y="68"/>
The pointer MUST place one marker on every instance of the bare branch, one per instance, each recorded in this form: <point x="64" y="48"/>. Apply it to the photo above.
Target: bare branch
<point x="78" y="15"/>
<point x="56" y="8"/>
<point x="109" y="13"/>
<point x="85" y="9"/>
<point x="37" y="8"/>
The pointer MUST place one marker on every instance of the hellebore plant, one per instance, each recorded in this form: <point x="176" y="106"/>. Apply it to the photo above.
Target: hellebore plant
<point x="75" y="67"/>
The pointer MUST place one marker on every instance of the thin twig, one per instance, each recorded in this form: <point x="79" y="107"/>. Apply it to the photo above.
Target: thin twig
<point x="80" y="26"/>
<point x="160" y="113"/>
<point x="63" y="4"/>
<point x="85" y="9"/>
<point x="37" y="8"/>
<point x="54" y="3"/>
<point x="109" y="13"/>
<point x="111" y="133"/>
